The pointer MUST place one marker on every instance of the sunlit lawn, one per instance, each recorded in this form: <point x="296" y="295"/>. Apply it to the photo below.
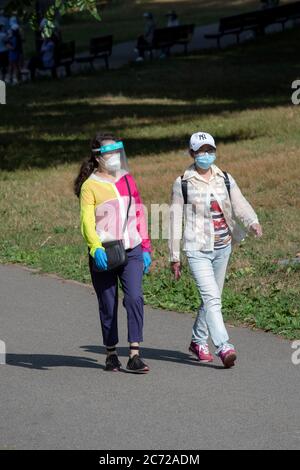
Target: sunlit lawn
<point x="242" y="96"/>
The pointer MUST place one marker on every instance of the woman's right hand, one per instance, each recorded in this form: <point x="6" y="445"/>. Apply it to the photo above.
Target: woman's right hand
<point x="257" y="230"/>
<point x="101" y="259"/>
<point x="176" y="270"/>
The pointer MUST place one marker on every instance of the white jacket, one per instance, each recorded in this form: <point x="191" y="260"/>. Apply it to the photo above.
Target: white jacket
<point x="198" y="231"/>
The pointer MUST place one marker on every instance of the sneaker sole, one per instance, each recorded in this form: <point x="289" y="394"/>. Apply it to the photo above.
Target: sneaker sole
<point x="116" y="369"/>
<point x="205" y="361"/>
<point x="230" y="361"/>
<point x="113" y="370"/>
<point x="143" y="371"/>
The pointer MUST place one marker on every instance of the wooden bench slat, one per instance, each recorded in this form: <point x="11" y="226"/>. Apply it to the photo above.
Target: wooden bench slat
<point x="255" y="20"/>
<point x="100" y="48"/>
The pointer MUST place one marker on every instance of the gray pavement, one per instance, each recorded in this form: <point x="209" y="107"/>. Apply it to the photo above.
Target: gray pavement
<point x="56" y="395"/>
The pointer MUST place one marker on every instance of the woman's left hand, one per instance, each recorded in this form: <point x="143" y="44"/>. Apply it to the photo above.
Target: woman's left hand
<point x="257" y="230"/>
<point x="147" y="261"/>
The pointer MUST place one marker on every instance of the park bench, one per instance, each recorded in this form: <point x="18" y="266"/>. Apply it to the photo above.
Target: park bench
<point x="284" y="13"/>
<point x="100" y="48"/>
<point x="278" y="15"/>
<point x="182" y="35"/>
<point x="165" y="38"/>
<point x="231" y="25"/>
<point x="65" y="55"/>
<point x="255" y="21"/>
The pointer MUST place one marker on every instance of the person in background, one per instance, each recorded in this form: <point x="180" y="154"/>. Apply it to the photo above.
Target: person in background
<point x="212" y="204"/>
<point x="172" y="22"/>
<point x="3" y="50"/>
<point x="4" y="20"/>
<point x="56" y="33"/>
<point x="146" y="39"/>
<point x="13" y="20"/>
<point x="172" y="19"/>
<point x="14" y="23"/>
<point x="14" y="45"/>
<point x="45" y="59"/>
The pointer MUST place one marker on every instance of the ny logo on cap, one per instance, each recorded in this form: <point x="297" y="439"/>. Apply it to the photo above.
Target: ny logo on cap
<point x="202" y="136"/>
<point x="2" y="92"/>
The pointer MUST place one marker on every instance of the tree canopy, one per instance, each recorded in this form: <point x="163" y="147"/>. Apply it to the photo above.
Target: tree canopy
<point x="34" y="10"/>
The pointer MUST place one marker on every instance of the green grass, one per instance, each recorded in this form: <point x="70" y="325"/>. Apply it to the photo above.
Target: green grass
<point x="241" y="95"/>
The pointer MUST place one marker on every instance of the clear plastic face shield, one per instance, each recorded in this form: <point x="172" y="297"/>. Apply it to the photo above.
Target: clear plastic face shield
<point x="112" y="158"/>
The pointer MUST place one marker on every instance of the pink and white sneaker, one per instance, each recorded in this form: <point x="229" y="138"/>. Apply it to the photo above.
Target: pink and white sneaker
<point x="228" y="356"/>
<point x="201" y="352"/>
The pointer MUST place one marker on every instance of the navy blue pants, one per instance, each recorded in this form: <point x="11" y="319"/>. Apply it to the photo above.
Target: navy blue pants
<point x="106" y="287"/>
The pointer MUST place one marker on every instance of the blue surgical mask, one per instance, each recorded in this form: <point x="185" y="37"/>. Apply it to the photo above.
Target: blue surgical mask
<point x="205" y="161"/>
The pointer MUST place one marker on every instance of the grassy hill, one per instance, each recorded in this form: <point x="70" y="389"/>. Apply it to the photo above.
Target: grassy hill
<point x="242" y="96"/>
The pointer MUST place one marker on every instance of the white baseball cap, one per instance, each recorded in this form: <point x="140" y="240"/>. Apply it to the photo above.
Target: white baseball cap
<point x="201" y="138"/>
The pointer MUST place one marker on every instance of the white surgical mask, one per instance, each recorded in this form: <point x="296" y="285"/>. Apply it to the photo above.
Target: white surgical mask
<point x="113" y="163"/>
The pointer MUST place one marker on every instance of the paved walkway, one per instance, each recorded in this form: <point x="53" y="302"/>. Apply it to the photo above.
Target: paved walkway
<point x="56" y="395"/>
<point x="124" y="53"/>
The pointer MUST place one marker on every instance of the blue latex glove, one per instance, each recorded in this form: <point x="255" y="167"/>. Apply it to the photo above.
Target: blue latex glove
<point x="101" y="259"/>
<point x="147" y="261"/>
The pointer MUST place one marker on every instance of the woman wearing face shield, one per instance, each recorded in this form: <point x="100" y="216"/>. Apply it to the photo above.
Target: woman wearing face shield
<point x="212" y="204"/>
<point x="111" y="209"/>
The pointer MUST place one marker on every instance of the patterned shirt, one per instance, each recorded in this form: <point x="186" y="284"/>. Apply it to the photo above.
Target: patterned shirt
<point x="221" y="229"/>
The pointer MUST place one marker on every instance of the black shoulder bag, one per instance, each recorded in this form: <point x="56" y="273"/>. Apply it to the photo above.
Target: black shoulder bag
<point x="115" y="251"/>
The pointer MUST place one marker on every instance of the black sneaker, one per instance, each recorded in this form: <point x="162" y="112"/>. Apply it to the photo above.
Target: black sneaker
<point x="136" y="365"/>
<point x="112" y="363"/>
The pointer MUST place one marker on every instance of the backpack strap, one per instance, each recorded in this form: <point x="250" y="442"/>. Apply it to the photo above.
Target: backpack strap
<point x="227" y="182"/>
<point x="184" y="186"/>
<point x="184" y="189"/>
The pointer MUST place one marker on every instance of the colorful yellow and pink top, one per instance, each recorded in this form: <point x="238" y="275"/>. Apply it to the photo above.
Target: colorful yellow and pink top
<point x="103" y="210"/>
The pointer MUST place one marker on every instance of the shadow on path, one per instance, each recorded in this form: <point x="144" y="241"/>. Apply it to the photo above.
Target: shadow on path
<point x="48" y="361"/>
<point x="164" y="355"/>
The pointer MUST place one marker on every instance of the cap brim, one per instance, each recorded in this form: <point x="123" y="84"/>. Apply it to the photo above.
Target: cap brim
<point x="198" y="148"/>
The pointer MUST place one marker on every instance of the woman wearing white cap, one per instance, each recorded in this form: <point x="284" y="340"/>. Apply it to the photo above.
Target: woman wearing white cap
<point x="211" y="203"/>
<point x="144" y="41"/>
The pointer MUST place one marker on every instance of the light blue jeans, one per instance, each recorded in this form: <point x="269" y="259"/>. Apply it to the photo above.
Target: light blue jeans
<point x="209" y="269"/>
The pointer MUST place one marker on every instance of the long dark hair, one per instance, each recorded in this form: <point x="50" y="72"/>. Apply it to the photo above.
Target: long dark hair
<point x="89" y="165"/>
